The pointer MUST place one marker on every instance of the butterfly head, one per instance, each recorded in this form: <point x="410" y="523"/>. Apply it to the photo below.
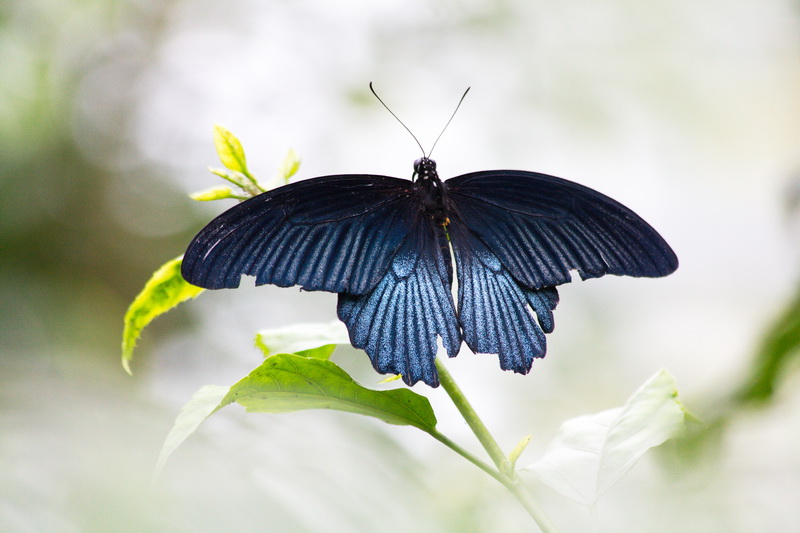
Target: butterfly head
<point x="425" y="170"/>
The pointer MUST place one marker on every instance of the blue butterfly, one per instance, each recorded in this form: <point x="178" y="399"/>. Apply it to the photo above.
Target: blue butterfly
<point x="383" y="244"/>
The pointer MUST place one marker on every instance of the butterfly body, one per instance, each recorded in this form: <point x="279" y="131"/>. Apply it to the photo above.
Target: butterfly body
<point x="383" y="244"/>
<point x="429" y="190"/>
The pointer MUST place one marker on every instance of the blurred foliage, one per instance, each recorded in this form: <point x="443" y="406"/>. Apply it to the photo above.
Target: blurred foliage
<point x="773" y="362"/>
<point x="775" y="359"/>
<point x="69" y="259"/>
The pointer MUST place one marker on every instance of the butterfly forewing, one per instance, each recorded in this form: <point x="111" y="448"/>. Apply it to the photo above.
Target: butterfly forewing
<point x="540" y="227"/>
<point x="334" y="233"/>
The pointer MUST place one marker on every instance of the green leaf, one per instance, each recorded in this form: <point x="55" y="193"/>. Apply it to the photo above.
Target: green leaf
<point x="591" y="453"/>
<point x="229" y="150"/>
<point x="311" y="340"/>
<point x="781" y="346"/>
<point x="203" y="404"/>
<point x="289" y="166"/>
<point x="215" y="193"/>
<point x="287" y="382"/>
<point x="163" y="291"/>
<point x="323" y="352"/>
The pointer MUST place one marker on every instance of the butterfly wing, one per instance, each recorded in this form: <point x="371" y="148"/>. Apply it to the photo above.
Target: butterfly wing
<point x="365" y="237"/>
<point x="493" y="308"/>
<point x="333" y="233"/>
<point x="516" y="235"/>
<point x="398" y="323"/>
<point x="540" y="227"/>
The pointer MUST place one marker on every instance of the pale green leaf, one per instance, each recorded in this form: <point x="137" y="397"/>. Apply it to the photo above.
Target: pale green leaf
<point x="163" y="291"/>
<point x="233" y="176"/>
<point x="288" y="382"/>
<point x="591" y="453"/>
<point x="215" y="193"/>
<point x="203" y="403"/>
<point x="518" y="449"/>
<point x="289" y="166"/>
<point x="229" y="150"/>
<point x="248" y="183"/>
<point x="299" y="338"/>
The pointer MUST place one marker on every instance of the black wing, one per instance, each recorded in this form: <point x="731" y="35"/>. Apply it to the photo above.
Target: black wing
<point x="493" y="306"/>
<point x="516" y="235"/>
<point x="333" y="233"/>
<point x="367" y="238"/>
<point x="540" y="227"/>
<point x="398" y="323"/>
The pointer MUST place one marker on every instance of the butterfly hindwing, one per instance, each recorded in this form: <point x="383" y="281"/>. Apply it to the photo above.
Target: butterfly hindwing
<point x="494" y="309"/>
<point x="398" y="323"/>
<point x="540" y="227"/>
<point x="333" y="233"/>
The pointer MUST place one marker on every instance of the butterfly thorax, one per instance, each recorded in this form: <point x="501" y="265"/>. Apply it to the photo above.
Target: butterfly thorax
<point x="429" y="187"/>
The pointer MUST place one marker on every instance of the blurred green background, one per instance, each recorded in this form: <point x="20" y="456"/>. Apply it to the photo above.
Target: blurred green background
<point x="688" y="112"/>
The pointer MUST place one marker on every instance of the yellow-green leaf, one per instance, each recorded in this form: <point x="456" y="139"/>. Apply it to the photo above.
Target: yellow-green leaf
<point x="229" y="150"/>
<point x="214" y="193"/>
<point x="289" y="166"/>
<point x="518" y="449"/>
<point x="163" y="291"/>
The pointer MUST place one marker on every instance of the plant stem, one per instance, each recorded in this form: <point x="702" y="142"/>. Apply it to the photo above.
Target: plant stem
<point x="468" y="456"/>
<point x="505" y="473"/>
<point x="531" y="505"/>
<point x="473" y="420"/>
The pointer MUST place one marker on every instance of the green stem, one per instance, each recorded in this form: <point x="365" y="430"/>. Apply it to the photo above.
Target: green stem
<point x="468" y="456"/>
<point x="531" y="505"/>
<point x="505" y="473"/>
<point x="473" y="420"/>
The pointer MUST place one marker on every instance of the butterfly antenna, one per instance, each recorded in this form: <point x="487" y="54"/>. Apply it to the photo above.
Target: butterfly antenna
<point x="449" y="121"/>
<point x="398" y="120"/>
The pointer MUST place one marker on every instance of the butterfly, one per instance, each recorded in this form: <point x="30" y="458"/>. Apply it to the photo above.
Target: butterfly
<point x="384" y="245"/>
